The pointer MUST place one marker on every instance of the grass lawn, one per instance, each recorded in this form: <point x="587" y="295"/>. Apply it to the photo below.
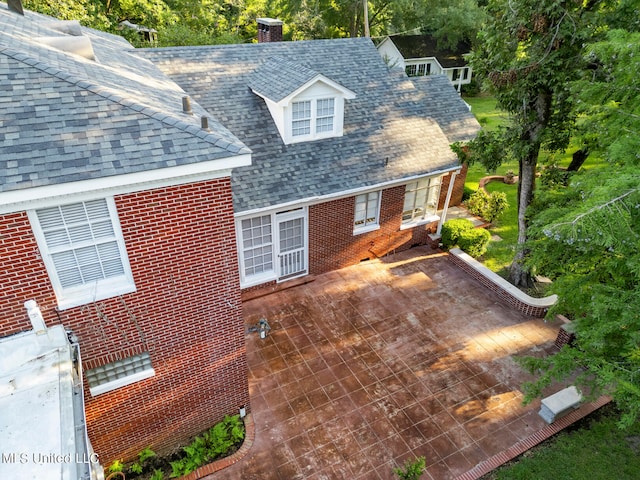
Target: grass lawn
<point x="598" y="450"/>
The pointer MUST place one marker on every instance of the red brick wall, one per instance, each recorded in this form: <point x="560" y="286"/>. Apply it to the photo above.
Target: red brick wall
<point x="458" y="188"/>
<point x="333" y="245"/>
<point x="186" y="312"/>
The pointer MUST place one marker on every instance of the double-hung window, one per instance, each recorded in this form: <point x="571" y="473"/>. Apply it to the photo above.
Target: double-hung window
<point x="84" y="252"/>
<point x="257" y="246"/>
<point x="313" y="118"/>
<point x="421" y="200"/>
<point x="367" y="211"/>
<point x="301" y="118"/>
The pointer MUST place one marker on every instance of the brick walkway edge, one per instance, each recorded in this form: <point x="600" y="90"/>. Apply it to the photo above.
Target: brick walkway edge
<point x="211" y="468"/>
<point x="535" y="439"/>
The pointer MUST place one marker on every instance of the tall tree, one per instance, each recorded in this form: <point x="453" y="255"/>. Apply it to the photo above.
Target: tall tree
<point x="586" y="237"/>
<point x="530" y="51"/>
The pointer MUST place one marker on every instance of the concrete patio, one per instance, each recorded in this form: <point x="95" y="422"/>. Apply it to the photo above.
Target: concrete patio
<point x="386" y="361"/>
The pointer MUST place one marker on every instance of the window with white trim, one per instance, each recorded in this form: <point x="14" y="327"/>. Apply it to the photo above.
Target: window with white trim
<point x="301" y="118"/>
<point x="119" y="373"/>
<point x="421" y="200"/>
<point x="313" y="118"/>
<point x="367" y="211"/>
<point x="418" y="69"/>
<point x="84" y="252"/>
<point x="257" y="246"/>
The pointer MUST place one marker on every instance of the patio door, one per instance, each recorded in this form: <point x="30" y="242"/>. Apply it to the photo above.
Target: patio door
<point x="291" y="244"/>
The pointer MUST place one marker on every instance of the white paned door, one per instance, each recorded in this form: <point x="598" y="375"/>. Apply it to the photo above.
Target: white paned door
<point x="291" y="244"/>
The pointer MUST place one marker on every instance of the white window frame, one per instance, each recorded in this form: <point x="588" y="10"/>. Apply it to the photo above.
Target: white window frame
<point x="266" y="275"/>
<point x="419" y="69"/>
<point x="370" y="211"/>
<point x="314" y="134"/>
<point x="275" y="216"/>
<point x="74" y="296"/>
<point x="429" y="215"/>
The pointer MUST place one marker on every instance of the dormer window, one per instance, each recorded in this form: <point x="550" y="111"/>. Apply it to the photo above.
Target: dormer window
<point x="315" y="116"/>
<point x="304" y="104"/>
<point x="325" y="112"/>
<point x="301" y="118"/>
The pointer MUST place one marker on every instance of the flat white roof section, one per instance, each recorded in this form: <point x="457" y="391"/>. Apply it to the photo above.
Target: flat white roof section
<point x="42" y="429"/>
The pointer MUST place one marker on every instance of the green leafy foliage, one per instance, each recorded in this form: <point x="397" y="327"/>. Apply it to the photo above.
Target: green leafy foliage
<point x="214" y="443"/>
<point x="586" y="238"/>
<point x="452" y="229"/>
<point x="474" y="242"/>
<point x="157" y="475"/>
<point x="487" y="206"/>
<point x="116" y="466"/>
<point x="412" y="470"/>
<point x="143" y="456"/>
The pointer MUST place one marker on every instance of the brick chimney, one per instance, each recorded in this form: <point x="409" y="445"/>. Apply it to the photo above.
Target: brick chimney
<point x="269" y="30"/>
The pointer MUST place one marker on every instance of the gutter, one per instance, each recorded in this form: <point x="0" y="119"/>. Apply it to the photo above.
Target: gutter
<point x="345" y="193"/>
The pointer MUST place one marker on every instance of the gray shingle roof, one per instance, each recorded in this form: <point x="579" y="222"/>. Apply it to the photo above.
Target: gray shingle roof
<point x="65" y="118"/>
<point x="390" y="128"/>
<point x="277" y="78"/>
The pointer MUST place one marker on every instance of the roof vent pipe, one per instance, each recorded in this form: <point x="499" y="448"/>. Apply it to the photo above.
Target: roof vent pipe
<point x="204" y="123"/>
<point x="186" y="105"/>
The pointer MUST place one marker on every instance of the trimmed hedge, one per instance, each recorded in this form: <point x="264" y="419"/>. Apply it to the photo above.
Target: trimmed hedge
<point x="474" y="242"/>
<point x="461" y="232"/>
<point x="452" y="229"/>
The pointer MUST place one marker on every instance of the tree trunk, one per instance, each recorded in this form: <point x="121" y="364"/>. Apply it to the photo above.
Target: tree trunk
<point x="519" y="275"/>
<point x="578" y="158"/>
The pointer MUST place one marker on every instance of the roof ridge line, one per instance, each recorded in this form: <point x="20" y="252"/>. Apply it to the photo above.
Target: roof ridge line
<point x="114" y="96"/>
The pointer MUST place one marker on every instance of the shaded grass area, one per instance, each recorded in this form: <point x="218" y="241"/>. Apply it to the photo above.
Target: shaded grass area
<point x="593" y="449"/>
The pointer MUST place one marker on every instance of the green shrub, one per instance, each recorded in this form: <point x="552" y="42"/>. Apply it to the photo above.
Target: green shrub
<point x="451" y="230"/>
<point x="477" y="202"/>
<point x="214" y="443"/>
<point x="487" y="206"/>
<point x="497" y="204"/>
<point x="474" y="242"/>
<point x="412" y="470"/>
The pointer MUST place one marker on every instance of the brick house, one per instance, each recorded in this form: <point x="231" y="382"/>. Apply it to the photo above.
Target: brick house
<point x="350" y="161"/>
<point x="143" y="190"/>
<point x="116" y="217"/>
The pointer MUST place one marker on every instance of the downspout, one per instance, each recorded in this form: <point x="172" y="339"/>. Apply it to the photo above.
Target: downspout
<point x="443" y="217"/>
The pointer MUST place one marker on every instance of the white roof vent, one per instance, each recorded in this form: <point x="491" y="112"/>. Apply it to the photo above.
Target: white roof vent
<point x="77" y="45"/>
<point x="70" y="27"/>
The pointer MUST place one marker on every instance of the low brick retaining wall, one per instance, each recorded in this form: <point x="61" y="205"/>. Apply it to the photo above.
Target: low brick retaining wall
<point x="535" y="307"/>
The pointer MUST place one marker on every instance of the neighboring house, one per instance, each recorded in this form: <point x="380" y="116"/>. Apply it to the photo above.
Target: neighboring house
<point x="419" y="55"/>
<point x="350" y="161"/>
<point x="116" y="217"/>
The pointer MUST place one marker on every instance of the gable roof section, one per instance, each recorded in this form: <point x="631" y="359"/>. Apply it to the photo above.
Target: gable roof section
<point x="388" y="134"/>
<point x="67" y="118"/>
<point x="278" y="79"/>
<point x="424" y="46"/>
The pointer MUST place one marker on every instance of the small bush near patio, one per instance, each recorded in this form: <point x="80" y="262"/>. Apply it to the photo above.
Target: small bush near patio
<point x="222" y="440"/>
<point x="412" y="470"/>
<point x="474" y="242"/>
<point x="216" y="443"/>
<point x="452" y="229"/>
